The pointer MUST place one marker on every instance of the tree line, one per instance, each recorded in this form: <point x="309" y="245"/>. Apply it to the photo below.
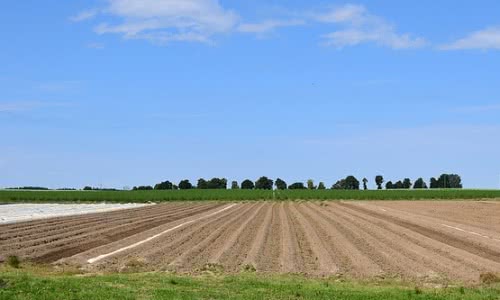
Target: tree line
<point x="444" y="181"/>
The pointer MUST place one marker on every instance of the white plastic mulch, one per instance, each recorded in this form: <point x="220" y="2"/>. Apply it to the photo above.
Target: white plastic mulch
<point x="13" y="213"/>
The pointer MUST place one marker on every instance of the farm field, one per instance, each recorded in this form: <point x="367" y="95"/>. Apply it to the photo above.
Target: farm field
<point x="21" y="196"/>
<point x="425" y="241"/>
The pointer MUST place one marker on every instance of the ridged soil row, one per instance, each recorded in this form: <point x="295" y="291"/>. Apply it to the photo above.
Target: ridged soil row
<point x="230" y="241"/>
<point x="447" y="259"/>
<point x="466" y="233"/>
<point x="325" y="263"/>
<point x="289" y="260"/>
<point x="198" y="256"/>
<point x="260" y="237"/>
<point x="436" y="255"/>
<point x="378" y="255"/>
<point x="161" y="252"/>
<point x="81" y="226"/>
<point x="479" y="214"/>
<point x="477" y="245"/>
<point x="342" y="244"/>
<point x="269" y="257"/>
<point x="244" y="245"/>
<point x="42" y="242"/>
<point x="19" y="227"/>
<point x="386" y="253"/>
<point x="68" y="245"/>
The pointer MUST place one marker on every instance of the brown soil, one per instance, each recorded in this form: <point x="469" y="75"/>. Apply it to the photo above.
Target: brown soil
<point x="421" y="241"/>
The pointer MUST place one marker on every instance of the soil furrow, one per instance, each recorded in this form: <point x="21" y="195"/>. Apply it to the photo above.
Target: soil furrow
<point x="351" y="260"/>
<point x="198" y="255"/>
<point x="326" y="265"/>
<point x="434" y="234"/>
<point x="102" y="226"/>
<point x="436" y="255"/>
<point x="70" y="249"/>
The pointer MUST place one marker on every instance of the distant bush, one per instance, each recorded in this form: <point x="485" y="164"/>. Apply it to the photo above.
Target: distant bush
<point x="297" y="186"/>
<point x="489" y="278"/>
<point x="142" y="188"/>
<point x="247" y="185"/>
<point x="13" y="261"/>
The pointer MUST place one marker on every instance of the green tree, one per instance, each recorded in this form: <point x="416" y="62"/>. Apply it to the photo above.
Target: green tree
<point x="434" y="183"/>
<point x="202" y="184"/>
<point x="365" y="186"/>
<point x="166" y="185"/>
<point x="247" y="185"/>
<point x="398" y="185"/>
<point x="420" y="184"/>
<point x="349" y="183"/>
<point x="389" y="185"/>
<point x="297" y="186"/>
<point x="339" y="185"/>
<point x="321" y="186"/>
<point x="379" y="180"/>
<point x="264" y="183"/>
<point x="217" y="184"/>
<point x="185" y="185"/>
<point x="142" y="188"/>
<point x="407" y="183"/>
<point x="234" y="185"/>
<point x="280" y="184"/>
<point x="449" y="181"/>
<point x="310" y="184"/>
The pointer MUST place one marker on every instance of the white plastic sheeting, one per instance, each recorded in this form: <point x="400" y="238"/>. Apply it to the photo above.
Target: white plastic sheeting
<point x="12" y="213"/>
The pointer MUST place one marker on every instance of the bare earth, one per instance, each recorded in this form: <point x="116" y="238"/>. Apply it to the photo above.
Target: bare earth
<point x="423" y="241"/>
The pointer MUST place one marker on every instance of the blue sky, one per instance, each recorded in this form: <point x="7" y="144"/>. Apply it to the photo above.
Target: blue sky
<point x="128" y="92"/>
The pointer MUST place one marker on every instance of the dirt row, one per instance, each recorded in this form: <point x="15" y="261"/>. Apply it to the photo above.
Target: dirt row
<point x="49" y="240"/>
<point x="421" y="241"/>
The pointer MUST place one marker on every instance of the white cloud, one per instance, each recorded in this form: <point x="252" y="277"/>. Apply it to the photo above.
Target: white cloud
<point x="168" y="20"/>
<point x="363" y="27"/>
<point x="268" y="26"/>
<point x="484" y="39"/>
<point x="84" y="15"/>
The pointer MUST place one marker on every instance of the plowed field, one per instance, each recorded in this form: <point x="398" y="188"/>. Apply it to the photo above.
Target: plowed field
<point x="427" y="241"/>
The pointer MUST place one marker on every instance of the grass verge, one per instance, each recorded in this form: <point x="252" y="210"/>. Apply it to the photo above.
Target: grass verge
<point x="32" y="283"/>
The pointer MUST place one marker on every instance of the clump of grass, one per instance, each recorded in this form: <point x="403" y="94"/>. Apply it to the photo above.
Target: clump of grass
<point x="173" y="281"/>
<point x="13" y="261"/>
<point x="3" y="283"/>
<point x="249" y="268"/>
<point x="212" y="268"/>
<point x="418" y="290"/>
<point x="133" y="266"/>
<point x="489" y="278"/>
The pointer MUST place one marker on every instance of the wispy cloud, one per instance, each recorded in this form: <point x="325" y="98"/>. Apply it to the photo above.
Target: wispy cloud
<point x="268" y="25"/>
<point x="84" y="15"/>
<point x="168" y="20"/>
<point x="165" y="21"/>
<point x="360" y="26"/>
<point x="483" y="40"/>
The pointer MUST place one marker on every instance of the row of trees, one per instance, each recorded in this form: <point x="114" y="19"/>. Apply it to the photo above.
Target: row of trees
<point x="349" y="183"/>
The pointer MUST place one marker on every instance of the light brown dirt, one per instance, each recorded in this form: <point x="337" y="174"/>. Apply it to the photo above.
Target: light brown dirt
<point x="421" y="241"/>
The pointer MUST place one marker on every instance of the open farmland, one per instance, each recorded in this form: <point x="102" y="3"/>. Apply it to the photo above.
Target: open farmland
<point x="420" y="241"/>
